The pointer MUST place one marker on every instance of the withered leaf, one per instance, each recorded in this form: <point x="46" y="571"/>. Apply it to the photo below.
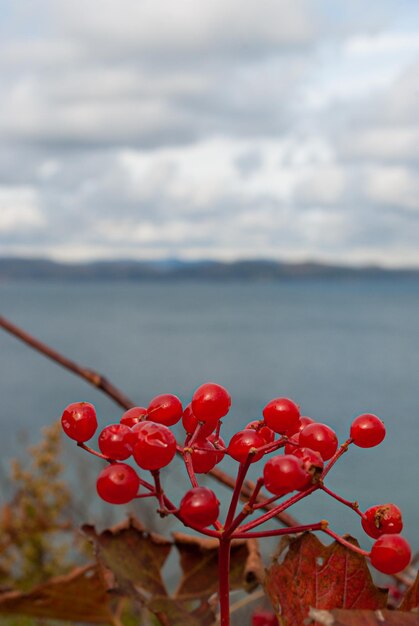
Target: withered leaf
<point x="134" y="556"/>
<point x="323" y="577"/>
<point x="80" y="596"/>
<point x="199" y="563"/>
<point x="340" y="617"/>
<point x="411" y="598"/>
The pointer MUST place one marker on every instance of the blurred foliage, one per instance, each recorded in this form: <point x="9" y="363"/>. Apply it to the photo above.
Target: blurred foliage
<point x="37" y="536"/>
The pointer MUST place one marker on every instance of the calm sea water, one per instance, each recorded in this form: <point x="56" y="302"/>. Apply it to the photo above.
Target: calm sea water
<point x="338" y="349"/>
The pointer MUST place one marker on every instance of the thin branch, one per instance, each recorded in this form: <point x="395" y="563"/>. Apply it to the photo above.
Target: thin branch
<point x="100" y="382"/>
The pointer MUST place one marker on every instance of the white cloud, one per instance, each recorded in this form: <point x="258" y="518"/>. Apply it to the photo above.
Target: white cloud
<point x="19" y="209"/>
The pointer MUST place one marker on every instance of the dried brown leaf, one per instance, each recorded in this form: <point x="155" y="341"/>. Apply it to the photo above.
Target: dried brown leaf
<point x="411" y="598"/>
<point x="134" y="556"/>
<point x="79" y="596"/>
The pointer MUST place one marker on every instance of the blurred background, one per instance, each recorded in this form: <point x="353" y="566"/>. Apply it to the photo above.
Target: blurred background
<point x="187" y="136"/>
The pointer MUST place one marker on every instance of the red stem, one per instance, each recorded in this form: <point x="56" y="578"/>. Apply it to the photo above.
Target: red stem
<point x="224" y="581"/>
<point x="280" y="531"/>
<point x="91" y="451"/>
<point x="241" y="475"/>
<point x="343" y="448"/>
<point x="352" y="505"/>
<point x="345" y="543"/>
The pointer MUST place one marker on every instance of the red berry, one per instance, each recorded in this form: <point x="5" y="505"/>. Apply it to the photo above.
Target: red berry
<point x="243" y="442"/>
<point x="165" y="409"/>
<point x="79" y="421"/>
<point x="210" y="402"/>
<point x="367" y="431"/>
<point x="281" y="414"/>
<point x="133" y="416"/>
<point x="390" y="554"/>
<point x="282" y="474"/>
<point x="118" y="483"/>
<point x="206" y="458"/>
<point x="262" y="617"/>
<point x="261" y="429"/>
<point x="199" y="507"/>
<point x="290" y="448"/>
<point x="382" y="519"/>
<point x="190" y="423"/>
<point x="321" y="438"/>
<point x="155" y="445"/>
<point x="116" y="441"/>
<point x="304" y="421"/>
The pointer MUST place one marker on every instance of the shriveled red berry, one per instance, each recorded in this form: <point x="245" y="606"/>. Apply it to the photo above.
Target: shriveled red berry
<point x="118" y="483"/>
<point x="199" y="507"/>
<point x="281" y="414"/>
<point x="282" y="474"/>
<point x="382" y="519"/>
<point x="312" y="463"/>
<point x="190" y="423"/>
<point x="165" y="409"/>
<point x="133" y="416"/>
<point x="204" y="458"/>
<point x="243" y="442"/>
<point x="210" y="402"/>
<point x="116" y="441"/>
<point x="262" y="617"/>
<point x="367" y="431"/>
<point x="321" y="438"/>
<point x="391" y="554"/>
<point x="155" y="445"/>
<point x="79" y="421"/>
<point x="262" y="430"/>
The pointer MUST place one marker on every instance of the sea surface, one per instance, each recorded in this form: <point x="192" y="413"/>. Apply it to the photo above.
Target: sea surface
<point x="337" y="348"/>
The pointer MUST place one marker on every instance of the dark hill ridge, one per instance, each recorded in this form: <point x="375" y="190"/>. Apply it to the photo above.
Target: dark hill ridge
<point x="246" y="270"/>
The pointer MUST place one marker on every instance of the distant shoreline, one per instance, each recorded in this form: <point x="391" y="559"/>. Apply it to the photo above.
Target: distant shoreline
<point x="14" y="269"/>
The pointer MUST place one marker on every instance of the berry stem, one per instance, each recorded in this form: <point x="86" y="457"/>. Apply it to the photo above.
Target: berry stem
<point x="339" y="452"/>
<point x="344" y="542"/>
<point x="352" y="505"/>
<point x="187" y="459"/>
<point x="241" y="475"/>
<point x="281" y="531"/>
<point x="278" y="509"/>
<point x="91" y="451"/>
<point x="224" y="581"/>
<point x="248" y="507"/>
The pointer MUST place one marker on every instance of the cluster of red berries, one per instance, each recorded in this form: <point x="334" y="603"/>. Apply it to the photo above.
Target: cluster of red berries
<point x="144" y="434"/>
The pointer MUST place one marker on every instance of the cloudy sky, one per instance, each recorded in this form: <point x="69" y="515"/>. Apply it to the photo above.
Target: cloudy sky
<point x="210" y="129"/>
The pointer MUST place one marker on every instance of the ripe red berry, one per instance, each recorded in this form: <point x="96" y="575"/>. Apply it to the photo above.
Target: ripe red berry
<point x="210" y="402"/>
<point x="133" y="416"/>
<point x="304" y="421"/>
<point x="165" y="409"/>
<point x="155" y="445"/>
<point x="199" y="507"/>
<point x="243" y="442"/>
<point x="116" y="441"/>
<point x="206" y="458"/>
<point x="293" y="443"/>
<point x="367" y="431"/>
<point x="262" y="617"/>
<point x="190" y="423"/>
<point x="262" y="430"/>
<point x="282" y="474"/>
<point x="390" y="554"/>
<point x="281" y="414"/>
<point x="321" y="438"/>
<point x="118" y="483"/>
<point x="79" y="421"/>
<point x="382" y="519"/>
